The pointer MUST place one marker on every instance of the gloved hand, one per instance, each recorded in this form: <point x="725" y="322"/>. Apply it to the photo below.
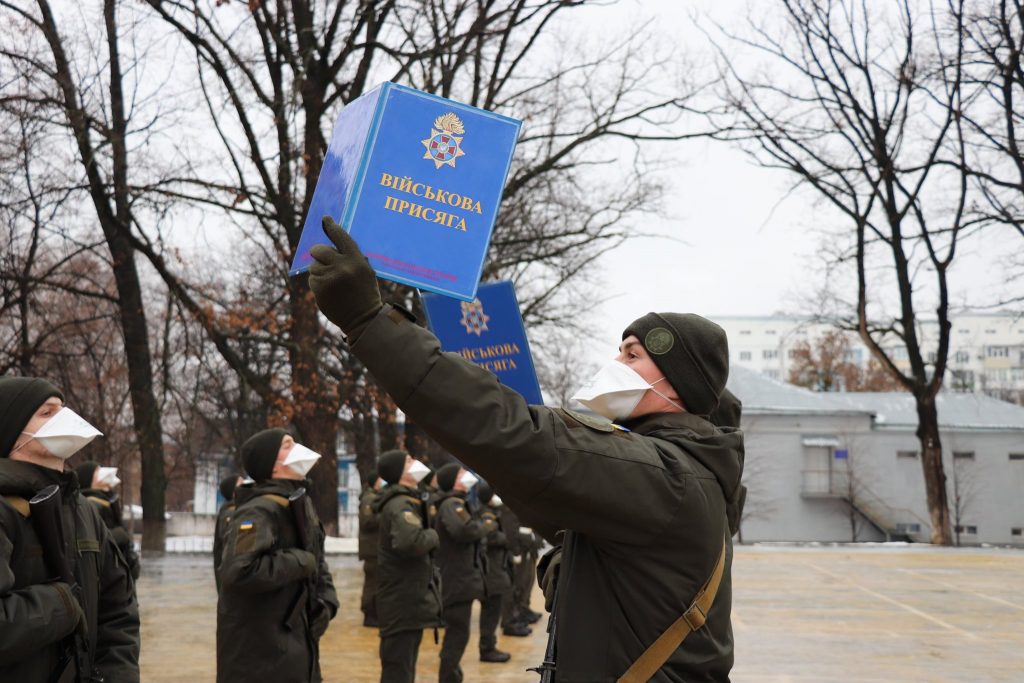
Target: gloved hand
<point x="321" y="618"/>
<point x="77" y="613"/>
<point x="547" y="574"/>
<point x="307" y="561"/>
<point x="343" y="282"/>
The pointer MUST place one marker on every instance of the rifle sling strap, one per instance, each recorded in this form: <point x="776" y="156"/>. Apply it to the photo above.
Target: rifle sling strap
<point x="668" y="642"/>
<point x="19" y="504"/>
<point x="99" y="501"/>
<point x="280" y="500"/>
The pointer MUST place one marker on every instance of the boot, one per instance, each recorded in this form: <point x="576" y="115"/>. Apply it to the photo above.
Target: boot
<point x="494" y="655"/>
<point x="531" y="617"/>
<point x="517" y="630"/>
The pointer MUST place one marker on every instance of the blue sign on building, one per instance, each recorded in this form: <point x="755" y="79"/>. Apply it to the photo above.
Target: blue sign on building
<point x="489" y="332"/>
<point x="841" y="454"/>
<point x="416" y="179"/>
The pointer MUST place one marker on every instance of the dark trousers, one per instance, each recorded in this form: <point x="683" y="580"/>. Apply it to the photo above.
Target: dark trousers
<point x="368" y="602"/>
<point x="490" y="615"/>
<point x="398" y="653"/>
<point x="456" y="637"/>
<point x="525" y="577"/>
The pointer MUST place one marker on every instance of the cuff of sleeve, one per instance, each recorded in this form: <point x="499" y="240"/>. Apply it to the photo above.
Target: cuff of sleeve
<point x="67" y="601"/>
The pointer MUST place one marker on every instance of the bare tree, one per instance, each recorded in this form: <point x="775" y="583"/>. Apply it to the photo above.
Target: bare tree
<point x="866" y="119"/>
<point x="825" y="365"/>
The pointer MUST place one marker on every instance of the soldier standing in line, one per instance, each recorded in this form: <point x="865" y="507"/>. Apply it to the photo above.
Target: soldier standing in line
<point x="86" y="623"/>
<point x="368" y="525"/>
<point x="513" y="621"/>
<point x="227" y="488"/>
<point x="644" y="499"/>
<point x="97" y="484"/>
<point x="408" y="584"/>
<point x="524" y="579"/>
<point x="461" y="561"/>
<point x="498" y="580"/>
<point x="276" y="596"/>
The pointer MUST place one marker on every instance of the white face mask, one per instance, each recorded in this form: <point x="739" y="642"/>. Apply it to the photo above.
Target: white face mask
<point x="300" y="459"/>
<point x="418" y="470"/>
<point x="615" y="390"/>
<point x="468" y="480"/>
<point x="496" y="501"/>
<point x="108" y="476"/>
<point x="65" y="434"/>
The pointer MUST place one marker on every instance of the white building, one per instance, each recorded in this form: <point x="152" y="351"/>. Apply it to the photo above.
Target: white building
<point x="986" y="350"/>
<point x="845" y="466"/>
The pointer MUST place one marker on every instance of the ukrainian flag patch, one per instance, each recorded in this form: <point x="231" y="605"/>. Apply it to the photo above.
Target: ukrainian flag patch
<point x="245" y="526"/>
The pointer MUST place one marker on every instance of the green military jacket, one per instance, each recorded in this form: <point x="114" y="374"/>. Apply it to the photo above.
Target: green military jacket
<point x="109" y="506"/>
<point x="461" y="555"/>
<point x="36" y="613"/>
<point x="272" y="590"/>
<point x="219" y="532"/>
<point x="644" y="507"/>
<point x="368" y="525"/>
<point x="498" y="579"/>
<point x="408" y="583"/>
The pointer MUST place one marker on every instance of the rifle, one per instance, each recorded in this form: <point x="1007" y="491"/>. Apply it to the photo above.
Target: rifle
<point x="48" y="523"/>
<point x="547" y="667"/>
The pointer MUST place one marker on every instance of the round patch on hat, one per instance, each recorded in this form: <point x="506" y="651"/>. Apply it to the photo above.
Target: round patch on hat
<point x="659" y="341"/>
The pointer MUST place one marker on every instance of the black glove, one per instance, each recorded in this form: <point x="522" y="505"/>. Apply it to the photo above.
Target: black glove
<point x="321" y="618"/>
<point x="547" y="574"/>
<point x="77" y="613"/>
<point x="343" y="282"/>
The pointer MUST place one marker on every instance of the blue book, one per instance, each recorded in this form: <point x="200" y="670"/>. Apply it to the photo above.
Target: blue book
<point x="416" y="179"/>
<point x="489" y="332"/>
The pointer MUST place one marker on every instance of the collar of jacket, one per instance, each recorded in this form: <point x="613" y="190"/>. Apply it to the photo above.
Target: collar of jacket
<point x="720" y="451"/>
<point x="18" y="478"/>
<point x="392" y="490"/>
<point x="280" y="487"/>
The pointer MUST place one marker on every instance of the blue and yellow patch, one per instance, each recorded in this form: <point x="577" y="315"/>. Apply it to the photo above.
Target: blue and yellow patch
<point x="246" y="525"/>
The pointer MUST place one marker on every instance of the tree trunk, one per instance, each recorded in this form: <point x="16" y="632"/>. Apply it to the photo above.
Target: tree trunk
<point x="931" y="464"/>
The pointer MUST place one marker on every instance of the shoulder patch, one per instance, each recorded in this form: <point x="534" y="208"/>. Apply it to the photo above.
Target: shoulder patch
<point x="410" y="517"/>
<point x="246" y="525"/>
<point x="593" y="422"/>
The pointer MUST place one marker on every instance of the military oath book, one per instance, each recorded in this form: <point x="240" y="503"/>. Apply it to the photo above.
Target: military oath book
<point x="416" y="179"/>
<point x="487" y="331"/>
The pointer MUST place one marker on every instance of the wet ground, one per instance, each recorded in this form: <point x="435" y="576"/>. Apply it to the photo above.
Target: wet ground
<point x="858" y="613"/>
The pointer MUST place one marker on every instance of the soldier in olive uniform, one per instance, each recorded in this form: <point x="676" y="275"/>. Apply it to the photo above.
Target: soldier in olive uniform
<point x="462" y="565"/>
<point x="227" y="490"/>
<point x="647" y="495"/>
<point x="108" y="504"/>
<point x="408" y="584"/>
<point x="368" y="525"/>
<point x="514" y="621"/>
<point x="498" y="580"/>
<point x="44" y="621"/>
<point x="276" y="595"/>
<point x="523" y="581"/>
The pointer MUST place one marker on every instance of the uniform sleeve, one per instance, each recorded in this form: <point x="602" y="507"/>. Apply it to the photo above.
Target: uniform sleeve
<point x="32" y="617"/>
<point x="459" y="524"/>
<point x="495" y="536"/>
<point x="608" y="484"/>
<point x="407" y="535"/>
<point x="325" y="582"/>
<point x="117" y="640"/>
<point x="249" y="565"/>
<point x="368" y="520"/>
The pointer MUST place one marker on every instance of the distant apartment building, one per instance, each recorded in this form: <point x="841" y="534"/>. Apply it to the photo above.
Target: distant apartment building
<point x="986" y="350"/>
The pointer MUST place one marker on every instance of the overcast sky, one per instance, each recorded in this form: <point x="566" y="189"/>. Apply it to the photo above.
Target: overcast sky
<point x="745" y="253"/>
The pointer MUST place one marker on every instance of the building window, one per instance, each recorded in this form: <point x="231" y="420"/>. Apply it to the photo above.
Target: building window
<point x="769" y="331"/>
<point x="1017" y="456"/>
<point x="773" y="374"/>
<point x="900" y="353"/>
<point x="963" y="331"/>
<point x="963" y="455"/>
<point x="997" y="351"/>
<point x="908" y="528"/>
<point x="1017" y="531"/>
<point x="908" y="455"/>
<point x="744" y="331"/>
<point x="770" y="354"/>
<point x="932" y="356"/>
<point x="966" y="529"/>
<point x="962" y="357"/>
<point x="744" y="355"/>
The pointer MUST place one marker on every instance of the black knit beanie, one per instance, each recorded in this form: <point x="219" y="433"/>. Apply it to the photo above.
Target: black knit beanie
<point x="371" y="478"/>
<point x="20" y="398"/>
<point x="259" y="453"/>
<point x="227" y="486"/>
<point x="728" y="412"/>
<point x="85" y="473"/>
<point x="484" y="492"/>
<point x="391" y="466"/>
<point x="446" y="476"/>
<point x="691" y="351"/>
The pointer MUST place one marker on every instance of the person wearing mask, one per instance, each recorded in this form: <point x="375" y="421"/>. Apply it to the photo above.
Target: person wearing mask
<point x="408" y="584"/>
<point x="461" y="561"/>
<point x="227" y="488"/>
<point x="646" y="493"/>
<point x="97" y="484"/>
<point x="276" y="593"/>
<point x="498" y="579"/>
<point x="368" y="526"/>
<point x="84" y="625"/>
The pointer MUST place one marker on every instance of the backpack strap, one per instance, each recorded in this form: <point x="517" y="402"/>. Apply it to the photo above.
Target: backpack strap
<point x="668" y="642"/>
<point x="19" y="504"/>
<point x="280" y="500"/>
